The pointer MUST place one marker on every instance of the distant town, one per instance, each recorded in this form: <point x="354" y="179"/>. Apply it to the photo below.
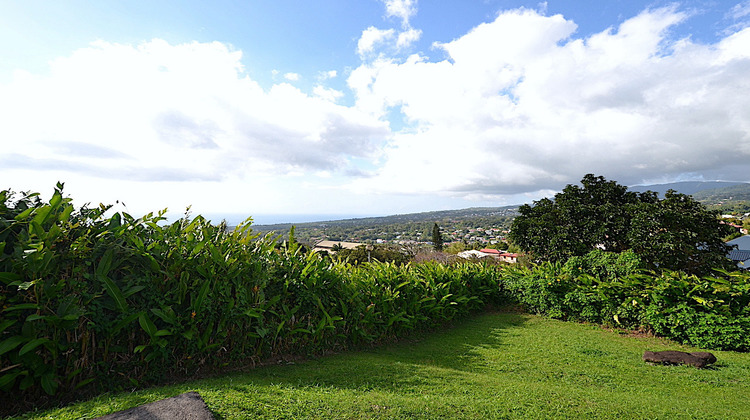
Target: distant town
<point x="486" y="227"/>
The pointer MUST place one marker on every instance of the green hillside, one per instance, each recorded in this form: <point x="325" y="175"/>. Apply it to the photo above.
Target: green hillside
<point x="739" y="192"/>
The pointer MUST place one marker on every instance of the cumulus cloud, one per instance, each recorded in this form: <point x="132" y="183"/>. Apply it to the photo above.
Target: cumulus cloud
<point x="520" y="105"/>
<point x="401" y="9"/>
<point x="407" y="38"/>
<point x="386" y="41"/>
<point x="325" y="75"/>
<point x="293" y="77"/>
<point x="328" y="94"/>
<point x="163" y="112"/>
<point x="370" y="38"/>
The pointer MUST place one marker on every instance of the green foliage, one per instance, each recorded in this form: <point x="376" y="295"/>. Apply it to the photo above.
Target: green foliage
<point x="679" y="233"/>
<point x="369" y="253"/>
<point x="676" y="233"/>
<point x="612" y="289"/>
<point x="97" y="301"/>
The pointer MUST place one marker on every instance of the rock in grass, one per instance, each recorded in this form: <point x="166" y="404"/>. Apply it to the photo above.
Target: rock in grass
<point x="187" y="406"/>
<point x="670" y="357"/>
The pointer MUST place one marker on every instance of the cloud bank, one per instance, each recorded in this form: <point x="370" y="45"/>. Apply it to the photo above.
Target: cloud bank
<point x="162" y="109"/>
<point x="520" y="104"/>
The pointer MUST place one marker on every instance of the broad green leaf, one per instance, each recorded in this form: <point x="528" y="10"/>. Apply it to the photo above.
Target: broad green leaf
<point x="8" y="379"/>
<point x="49" y="383"/>
<point x="41" y="215"/>
<point x="115" y="293"/>
<point x="24" y="214"/>
<point x="36" y="229"/>
<point x="198" y="248"/>
<point x="65" y="215"/>
<point x="133" y="290"/>
<point x="105" y="263"/>
<point x="153" y="264"/>
<point x="31" y="345"/>
<point x="166" y="314"/>
<point x="56" y="200"/>
<point x="147" y="325"/>
<point x="7" y="323"/>
<point x="7" y="277"/>
<point x="197" y="304"/>
<point x="11" y="343"/>
<point x="21" y="306"/>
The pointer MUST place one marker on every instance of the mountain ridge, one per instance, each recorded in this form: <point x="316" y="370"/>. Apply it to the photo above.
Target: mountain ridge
<point x="687" y="187"/>
<point x="704" y="191"/>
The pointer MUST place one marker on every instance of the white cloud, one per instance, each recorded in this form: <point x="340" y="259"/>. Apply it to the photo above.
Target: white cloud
<point x="292" y="77"/>
<point x="401" y="9"/>
<point x="327" y="93"/>
<point x="371" y="37"/>
<point x="325" y="75"/>
<point x="740" y="10"/>
<point x="740" y="17"/>
<point x="407" y="38"/>
<point x="158" y="113"/>
<point x="522" y="105"/>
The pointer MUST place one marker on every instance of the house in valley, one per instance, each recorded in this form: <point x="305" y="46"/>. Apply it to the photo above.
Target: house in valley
<point x="332" y="246"/>
<point x="740" y="252"/>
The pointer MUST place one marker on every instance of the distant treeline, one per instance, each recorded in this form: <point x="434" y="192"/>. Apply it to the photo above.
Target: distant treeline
<point x="409" y="227"/>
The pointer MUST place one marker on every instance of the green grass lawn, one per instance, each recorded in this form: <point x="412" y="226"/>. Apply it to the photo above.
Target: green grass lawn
<point x="497" y="365"/>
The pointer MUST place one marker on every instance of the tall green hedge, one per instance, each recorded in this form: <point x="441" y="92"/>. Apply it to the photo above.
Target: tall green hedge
<point x="95" y="299"/>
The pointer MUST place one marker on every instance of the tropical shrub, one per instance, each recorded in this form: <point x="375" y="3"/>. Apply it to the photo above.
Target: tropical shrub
<point x="96" y="300"/>
<point x="610" y="288"/>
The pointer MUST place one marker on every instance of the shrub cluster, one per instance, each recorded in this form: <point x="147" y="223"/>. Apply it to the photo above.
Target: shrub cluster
<point x="91" y="298"/>
<point x="610" y="288"/>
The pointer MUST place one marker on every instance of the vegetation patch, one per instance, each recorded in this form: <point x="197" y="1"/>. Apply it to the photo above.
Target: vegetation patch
<point x="495" y="366"/>
<point x="94" y="301"/>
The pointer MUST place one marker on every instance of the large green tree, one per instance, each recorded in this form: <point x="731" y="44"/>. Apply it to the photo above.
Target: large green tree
<point x="675" y="233"/>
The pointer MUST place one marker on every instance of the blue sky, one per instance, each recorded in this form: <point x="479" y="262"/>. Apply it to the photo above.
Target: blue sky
<point x="371" y="107"/>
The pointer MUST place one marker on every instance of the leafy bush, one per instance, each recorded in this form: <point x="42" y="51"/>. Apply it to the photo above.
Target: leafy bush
<point x="89" y="298"/>
<point x="610" y="288"/>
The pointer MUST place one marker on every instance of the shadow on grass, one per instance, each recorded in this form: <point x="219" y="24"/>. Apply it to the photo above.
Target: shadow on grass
<point x="413" y="362"/>
<point x="417" y="361"/>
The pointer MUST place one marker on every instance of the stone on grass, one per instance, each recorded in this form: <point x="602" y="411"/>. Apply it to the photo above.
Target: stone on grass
<point x="671" y="357"/>
<point x="187" y="406"/>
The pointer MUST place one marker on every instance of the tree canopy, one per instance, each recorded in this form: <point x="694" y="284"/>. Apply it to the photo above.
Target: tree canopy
<point x="676" y="232"/>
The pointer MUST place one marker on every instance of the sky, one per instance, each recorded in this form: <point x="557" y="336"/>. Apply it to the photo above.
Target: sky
<point x="288" y="111"/>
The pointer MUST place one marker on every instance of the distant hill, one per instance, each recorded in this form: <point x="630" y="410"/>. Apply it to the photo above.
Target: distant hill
<point x="739" y="192"/>
<point x="478" y="224"/>
<point x="431" y="216"/>
<point x="689" y="187"/>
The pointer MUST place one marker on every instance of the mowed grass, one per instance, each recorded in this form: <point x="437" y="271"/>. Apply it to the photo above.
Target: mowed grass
<point x="492" y="366"/>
